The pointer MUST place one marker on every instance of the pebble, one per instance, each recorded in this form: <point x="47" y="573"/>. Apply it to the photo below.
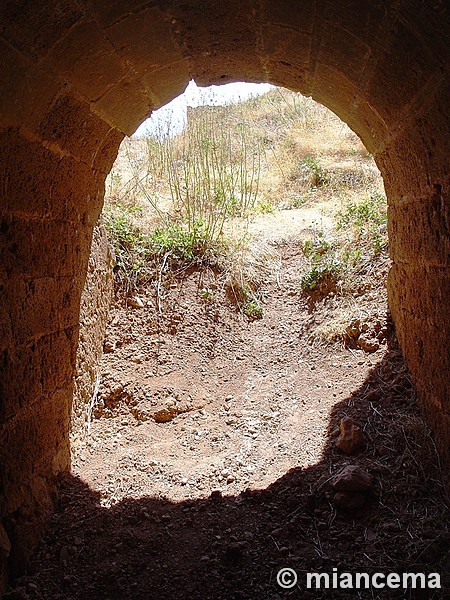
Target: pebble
<point x="135" y="302"/>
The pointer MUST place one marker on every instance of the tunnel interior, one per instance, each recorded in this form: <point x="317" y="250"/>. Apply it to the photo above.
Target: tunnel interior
<point x="79" y="76"/>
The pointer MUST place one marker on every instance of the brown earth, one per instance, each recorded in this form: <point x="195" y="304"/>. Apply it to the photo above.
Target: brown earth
<point x="210" y="456"/>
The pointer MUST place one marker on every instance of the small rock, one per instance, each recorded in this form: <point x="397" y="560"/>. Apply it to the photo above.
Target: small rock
<point x="136" y="302"/>
<point x="353" y="329"/>
<point x="351" y="437"/>
<point x="234" y="553"/>
<point x="109" y="347"/>
<point x="352" y="479"/>
<point x="170" y="401"/>
<point x="367" y="343"/>
<point x="350" y="500"/>
<point x="164" y="415"/>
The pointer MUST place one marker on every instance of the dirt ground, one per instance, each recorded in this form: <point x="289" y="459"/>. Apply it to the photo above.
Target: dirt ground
<point x="211" y="454"/>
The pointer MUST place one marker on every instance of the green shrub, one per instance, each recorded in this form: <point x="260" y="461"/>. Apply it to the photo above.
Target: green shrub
<point x="129" y="244"/>
<point x="316" y="248"/>
<point x="365" y="222"/>
<point x="370" y="211"/>
<point x="253" y="309"/>
<point x="320" y="277"/>
<point x="318" y="174"/>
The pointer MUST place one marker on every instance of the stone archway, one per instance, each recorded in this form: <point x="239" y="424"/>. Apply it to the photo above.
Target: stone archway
<point x="79" y="75"/>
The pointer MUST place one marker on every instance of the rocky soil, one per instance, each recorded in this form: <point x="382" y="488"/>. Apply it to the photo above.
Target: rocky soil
<point x="221" y="449"/>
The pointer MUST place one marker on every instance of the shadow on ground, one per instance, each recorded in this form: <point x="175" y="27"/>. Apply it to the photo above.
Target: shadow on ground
<point x="232" y="547"/>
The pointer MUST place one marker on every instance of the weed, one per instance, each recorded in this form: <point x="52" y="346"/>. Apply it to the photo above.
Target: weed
<point x="370" y="211"/>
<point x="253" y="309"/>
<point x="212" y="175"/>
<point x="130" y="247"/>
<point x="265" y="206"/>
<point x="318" y="175"/>
<point x="207" y="294"/>
<point x="182" y="244"/>
<point x="365" y="223"/>
<point x="297" y="201"/>
<point x="316" y="248"/>
<point x="351" y="257"/>
<point x="320" y="277"/>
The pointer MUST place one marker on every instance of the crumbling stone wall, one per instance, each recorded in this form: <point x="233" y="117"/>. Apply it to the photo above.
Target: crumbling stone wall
<point x="96" y="301"/>
<point x="77" y="75"/>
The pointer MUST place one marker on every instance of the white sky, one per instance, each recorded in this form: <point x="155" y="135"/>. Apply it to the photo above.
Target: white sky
<point x="171" y="118"/>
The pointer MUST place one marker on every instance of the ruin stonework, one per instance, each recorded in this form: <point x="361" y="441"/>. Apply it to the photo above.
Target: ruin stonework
<point x="79" y="75"/>
<point x="96" y="301"/>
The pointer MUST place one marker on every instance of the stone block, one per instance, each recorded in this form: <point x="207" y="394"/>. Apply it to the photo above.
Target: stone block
<point x="367" y="21"/>
<point x="27" y="90"/>
<point x="430" y="216"/>
<point x="125" y="105"/>
<point x="287" y="45"/>
<point x="167" y="83"/>
<point x="404" y="67"/>
<point x="35" y="368"/>
<point x="71" y="125"/>
<point x="51" y="187"/>
<point x="48" y="248"/>
<point x="34" y="27"/>
<point x="108" y="12"/>
<point x="95" y="304"/>
<point x="296" y="14"/>
<point x="141" y="49"/>
<point x="343" y="52"/>
<point x="87" y="59"/>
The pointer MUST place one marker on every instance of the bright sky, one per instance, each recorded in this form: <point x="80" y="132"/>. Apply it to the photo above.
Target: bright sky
<point x="171" y="118"/>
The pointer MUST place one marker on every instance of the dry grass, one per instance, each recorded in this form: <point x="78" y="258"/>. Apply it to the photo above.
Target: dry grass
<point x="285" y="129"/>
<point x="311" y="168"/>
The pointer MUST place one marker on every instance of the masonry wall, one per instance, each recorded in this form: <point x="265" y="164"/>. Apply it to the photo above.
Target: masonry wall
<point x="78" y="75"/>
<point x="96" y="301"/>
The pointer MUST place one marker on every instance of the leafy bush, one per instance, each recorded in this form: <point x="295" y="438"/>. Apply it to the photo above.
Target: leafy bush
<point x="365" y="222"/>
<point x="129" y="244"/>
<point x="253" y="309"/>
<point x="320" y="277"/>
<point x="316" y="248"/>
<point x="183" y="244"/>
<point x="370" y="211"/>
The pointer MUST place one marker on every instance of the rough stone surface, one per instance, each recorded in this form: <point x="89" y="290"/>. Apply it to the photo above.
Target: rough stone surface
<point x="349" y="501"/>
<point x="351" y="438"/>
<point x="352" y="479"/>
<point x="95" y="303"/>
<point x="78" y="76"/>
